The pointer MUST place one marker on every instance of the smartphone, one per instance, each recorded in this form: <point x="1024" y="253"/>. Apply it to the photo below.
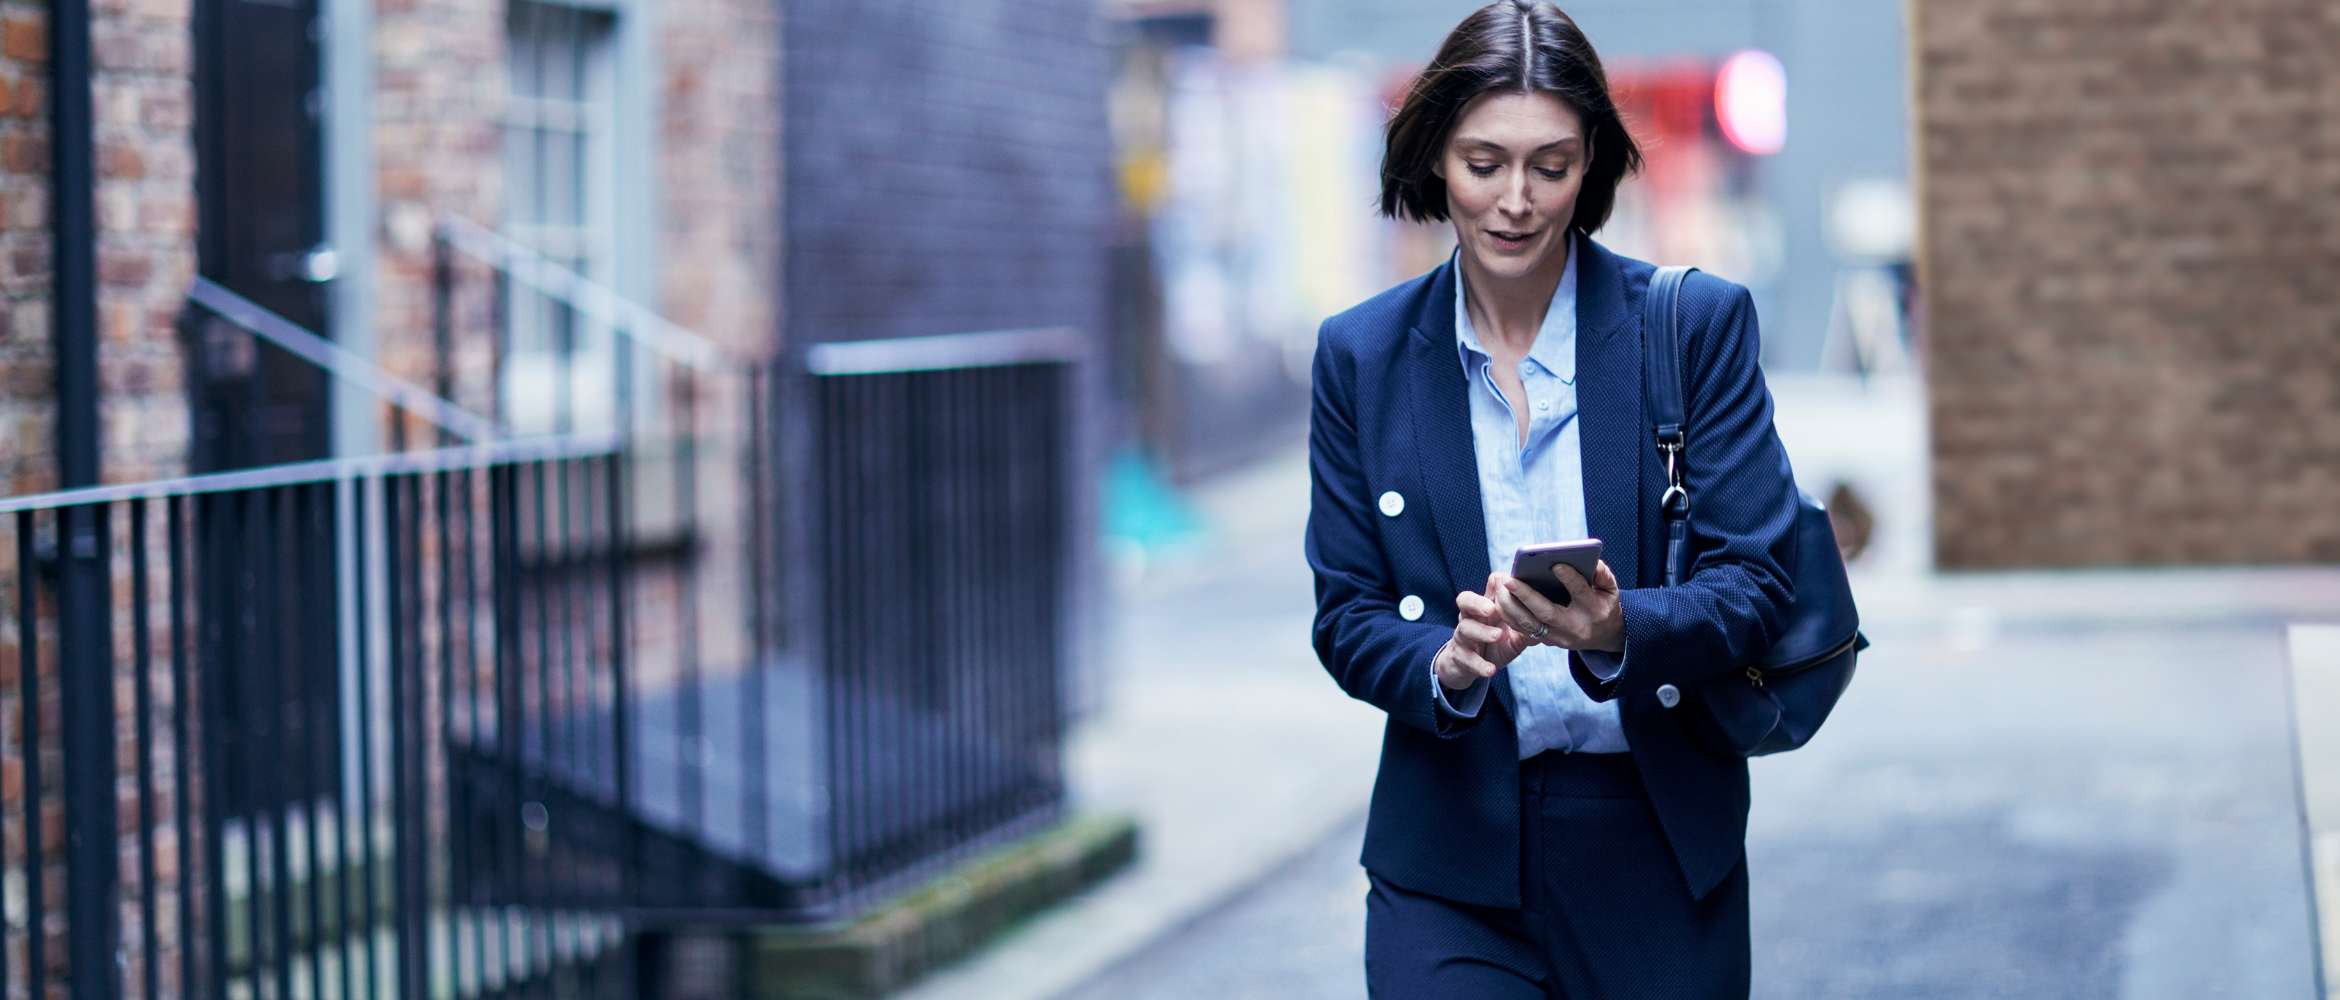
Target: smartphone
<point x="1536" y="565"/>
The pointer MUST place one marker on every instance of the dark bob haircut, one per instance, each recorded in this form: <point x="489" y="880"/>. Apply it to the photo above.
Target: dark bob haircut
<point x="1491" y="50"/>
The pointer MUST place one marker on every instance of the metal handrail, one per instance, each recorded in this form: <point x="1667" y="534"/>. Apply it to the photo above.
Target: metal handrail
<point x="629" y="318"/>
<point x="340" y="362"/>
<point x="550" y="448"/>
<point x="979" y="349"/>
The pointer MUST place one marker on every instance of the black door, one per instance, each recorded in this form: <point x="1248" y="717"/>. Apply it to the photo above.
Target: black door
<point x="261" y="206"/>
<point x="270" y="667"/>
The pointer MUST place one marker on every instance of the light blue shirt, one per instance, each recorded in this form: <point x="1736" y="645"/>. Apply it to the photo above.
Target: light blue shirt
<point x="1532" y="494"/>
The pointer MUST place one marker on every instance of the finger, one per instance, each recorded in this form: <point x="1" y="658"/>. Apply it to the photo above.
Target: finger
<point x="1517" y="614"/>
<point x="1603" y="579"/>
<point x="1478" y="632"/>
<point x="1538" y="607"/>
<point x="1578" y="589"/>
<point x="1477" y="606"/>
<point x="1478" y="666"/>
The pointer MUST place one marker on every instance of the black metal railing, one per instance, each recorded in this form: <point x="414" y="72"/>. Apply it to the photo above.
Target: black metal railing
<point x="405" y="838"/>
<point x="469" y="720"/>
<point x="697" y="420"/>
<point x="938" y="483"/>
<point x="801" y="748"/>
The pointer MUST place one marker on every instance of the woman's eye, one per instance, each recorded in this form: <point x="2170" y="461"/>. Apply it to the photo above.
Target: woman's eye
<point x="1482" y="169"/>
<point x="1553" y="175"/>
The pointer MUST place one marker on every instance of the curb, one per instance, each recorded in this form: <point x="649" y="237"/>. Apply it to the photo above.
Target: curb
<point x="928" y="926"/>
<point x="2315" y="734"/>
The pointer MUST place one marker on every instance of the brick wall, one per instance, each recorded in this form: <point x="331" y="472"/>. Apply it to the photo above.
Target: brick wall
<point x="947" y="167"/>
<point x="439" y="90"/>
<point x="143" y="56"/>
<point x="719" y="169"/>
<point x="2129" y="234"/>
<point x="25" y="379"/>
<point x="143" y="102"/>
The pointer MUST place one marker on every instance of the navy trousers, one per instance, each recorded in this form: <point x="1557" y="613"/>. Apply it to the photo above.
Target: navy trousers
<point x="1606" y="914"/>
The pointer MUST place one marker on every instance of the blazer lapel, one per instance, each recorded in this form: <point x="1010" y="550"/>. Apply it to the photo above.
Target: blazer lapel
<point x="1444" y="451"/>
<point x="1608" y="404"/>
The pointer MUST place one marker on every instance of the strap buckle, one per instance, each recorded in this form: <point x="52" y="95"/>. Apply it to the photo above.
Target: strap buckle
<point x="1677" y="497"/>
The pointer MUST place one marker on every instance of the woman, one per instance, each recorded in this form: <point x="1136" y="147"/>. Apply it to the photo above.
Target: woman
<point x="1573" y="835"/>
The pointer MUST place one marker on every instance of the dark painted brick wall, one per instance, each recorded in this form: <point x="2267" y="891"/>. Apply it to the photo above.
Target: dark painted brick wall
<point x="947" y="167"/>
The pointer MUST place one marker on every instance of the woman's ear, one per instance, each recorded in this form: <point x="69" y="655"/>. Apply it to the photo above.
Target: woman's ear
<point x="1438" y="167"/>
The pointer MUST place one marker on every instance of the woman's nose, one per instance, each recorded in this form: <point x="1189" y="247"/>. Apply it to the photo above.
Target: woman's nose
<point x="1515" y="202"/>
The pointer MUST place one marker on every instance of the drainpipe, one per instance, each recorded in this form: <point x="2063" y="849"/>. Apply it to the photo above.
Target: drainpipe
<point x="85" y="672"/>
<point x="72" y="199"/>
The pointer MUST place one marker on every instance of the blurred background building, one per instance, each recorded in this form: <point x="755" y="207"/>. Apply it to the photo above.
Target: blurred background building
<point x="1249" y="135"/>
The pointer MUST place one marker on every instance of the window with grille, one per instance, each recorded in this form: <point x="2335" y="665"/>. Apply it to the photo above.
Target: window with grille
<point x="560" y="367"/>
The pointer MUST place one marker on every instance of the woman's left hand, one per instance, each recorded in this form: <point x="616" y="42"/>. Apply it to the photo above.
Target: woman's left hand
<point x="1593" y="619"/>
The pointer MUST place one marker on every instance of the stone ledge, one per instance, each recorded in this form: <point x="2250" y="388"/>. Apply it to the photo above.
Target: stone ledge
<point x="931" y="925"/>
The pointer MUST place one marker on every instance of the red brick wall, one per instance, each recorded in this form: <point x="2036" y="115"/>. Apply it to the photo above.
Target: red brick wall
<point x="27" y="420"/>
<point x="718" y="212"/>
<point x="719" y="169"/>
<point x="2129" y="238"/>
<point x="439" y="84"/>
<point x="143" y="52"/>
<point x="143" y="101"/>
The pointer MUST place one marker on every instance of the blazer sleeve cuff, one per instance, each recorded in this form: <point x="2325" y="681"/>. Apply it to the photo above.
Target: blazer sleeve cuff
<point x="1598" y="673"/>
<point x="1456" y="711"/>
<point x="1605" y="666"/>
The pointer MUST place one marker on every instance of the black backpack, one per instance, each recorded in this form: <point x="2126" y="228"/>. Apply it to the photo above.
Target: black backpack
<point x="1777" y="702"/>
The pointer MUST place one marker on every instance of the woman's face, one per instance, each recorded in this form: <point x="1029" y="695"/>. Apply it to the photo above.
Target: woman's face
<point x="1512" y="169"/>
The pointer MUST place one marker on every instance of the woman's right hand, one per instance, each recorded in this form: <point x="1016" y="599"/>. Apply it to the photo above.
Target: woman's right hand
<point x="1483" y="643"/>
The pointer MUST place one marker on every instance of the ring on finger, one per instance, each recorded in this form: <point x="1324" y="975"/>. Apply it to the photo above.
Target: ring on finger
<point x="1535" y="629"/>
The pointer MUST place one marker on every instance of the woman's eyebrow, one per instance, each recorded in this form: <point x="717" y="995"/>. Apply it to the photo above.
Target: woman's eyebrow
<point x="1496" y="147"/>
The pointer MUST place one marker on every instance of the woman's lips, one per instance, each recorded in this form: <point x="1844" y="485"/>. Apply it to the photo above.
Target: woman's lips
<point x="1509" y="240"/>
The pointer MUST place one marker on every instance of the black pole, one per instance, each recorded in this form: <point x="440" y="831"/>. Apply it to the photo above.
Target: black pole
<point x="442" y="323"/>
<point x="86" y="670"/>
<point x="73" y="204"/>
<point x="86" y="666"/>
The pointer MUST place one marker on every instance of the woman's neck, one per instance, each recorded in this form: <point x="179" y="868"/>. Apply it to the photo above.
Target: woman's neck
<point x="1508" y="313"/>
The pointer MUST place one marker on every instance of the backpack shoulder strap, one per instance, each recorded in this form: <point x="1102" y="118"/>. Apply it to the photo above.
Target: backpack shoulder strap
<point x="1661" y="346"/>
<point x="1661" y="373"/>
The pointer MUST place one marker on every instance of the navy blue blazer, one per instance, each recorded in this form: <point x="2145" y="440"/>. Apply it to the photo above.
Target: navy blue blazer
<point x="1390" y="414"/>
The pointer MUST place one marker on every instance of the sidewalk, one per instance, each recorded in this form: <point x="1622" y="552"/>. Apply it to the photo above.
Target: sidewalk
<point x="1220" y="733"/>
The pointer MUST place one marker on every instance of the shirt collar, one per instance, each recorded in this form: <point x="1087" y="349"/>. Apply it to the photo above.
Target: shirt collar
<point x="1555" y="346"/>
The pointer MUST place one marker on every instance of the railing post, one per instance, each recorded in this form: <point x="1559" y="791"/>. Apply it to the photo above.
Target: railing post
<point x="86" y="676"/>
<point x="442" y="320"/>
